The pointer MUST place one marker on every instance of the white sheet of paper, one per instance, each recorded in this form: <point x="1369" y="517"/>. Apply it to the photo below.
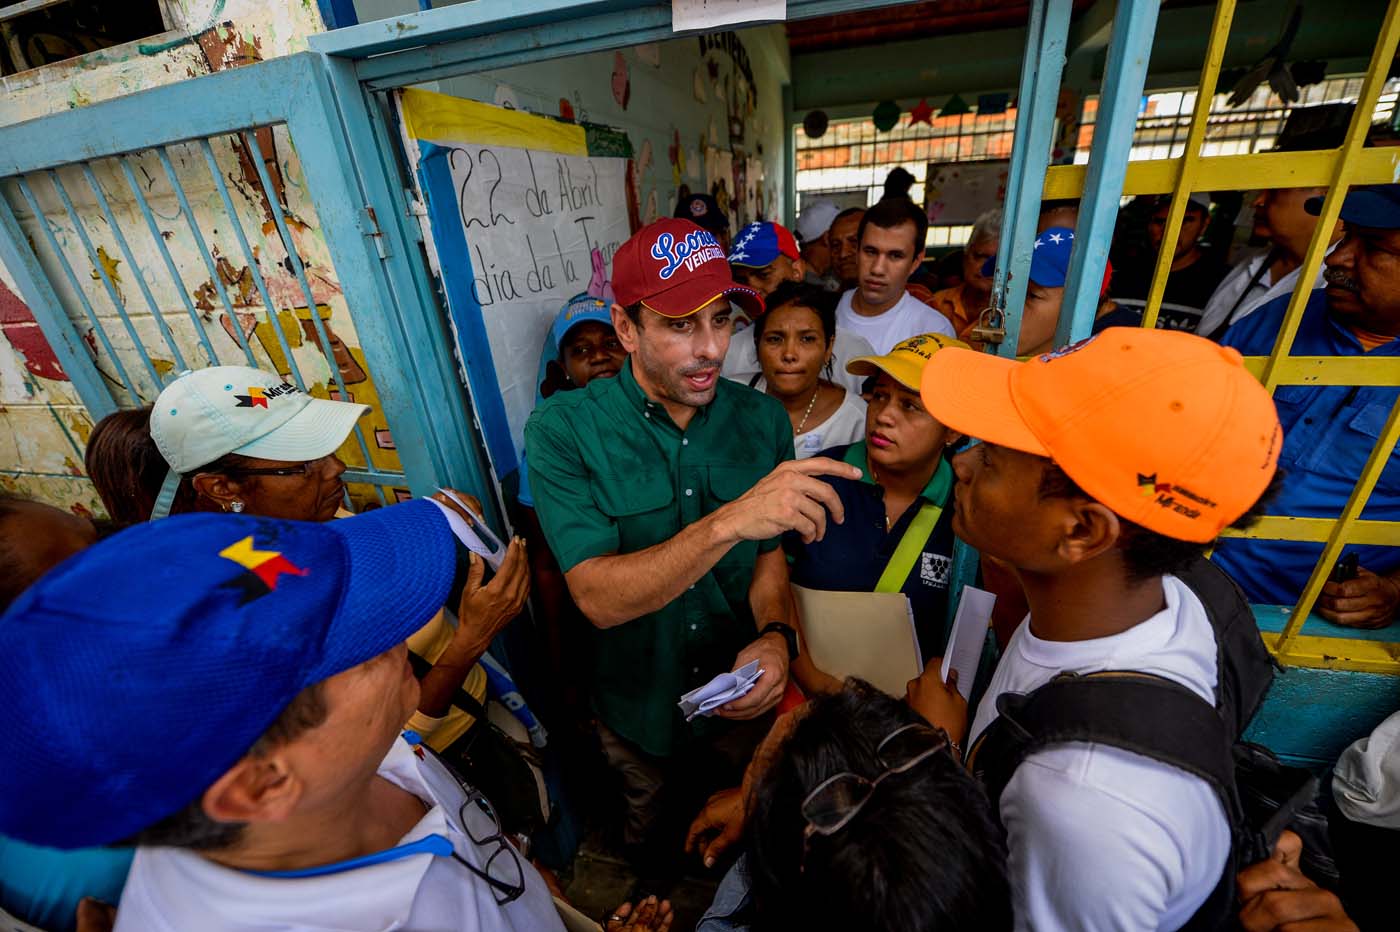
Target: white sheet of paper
<point x="722" y="689"/>
<point x="964" y="650"/>
<point x="709" y="14"/>
<point x="491" y="550"/>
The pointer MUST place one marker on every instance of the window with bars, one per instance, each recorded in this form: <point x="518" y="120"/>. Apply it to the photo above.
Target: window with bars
<point x="849" y="162"/>
<point x="1165" y="118"/>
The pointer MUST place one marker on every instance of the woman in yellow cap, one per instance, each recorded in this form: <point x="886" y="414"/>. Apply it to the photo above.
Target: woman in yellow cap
<point x="897" y="536"/>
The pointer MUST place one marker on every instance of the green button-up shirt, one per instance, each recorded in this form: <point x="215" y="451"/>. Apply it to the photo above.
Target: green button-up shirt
<point x="611" y="473"/>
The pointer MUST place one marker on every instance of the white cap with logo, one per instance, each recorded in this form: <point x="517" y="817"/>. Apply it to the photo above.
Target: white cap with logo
<point x="209" y="413"/>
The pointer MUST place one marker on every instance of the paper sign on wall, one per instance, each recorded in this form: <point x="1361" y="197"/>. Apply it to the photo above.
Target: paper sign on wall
<point x="525" y="216"/>
<point x="711" y="14"/>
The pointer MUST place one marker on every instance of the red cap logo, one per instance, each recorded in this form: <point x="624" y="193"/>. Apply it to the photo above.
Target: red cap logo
<point x="675" y="268"/>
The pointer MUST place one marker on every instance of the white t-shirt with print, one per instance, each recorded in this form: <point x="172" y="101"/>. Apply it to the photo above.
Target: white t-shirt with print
<point x="174" y="890"/>
<point x="1101" y="838"/>
<point x="909" y="317"/>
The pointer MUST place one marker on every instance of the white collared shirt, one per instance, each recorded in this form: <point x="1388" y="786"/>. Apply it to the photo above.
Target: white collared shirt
<point x="175" y="890"/>
<point x="1234" y="292"/>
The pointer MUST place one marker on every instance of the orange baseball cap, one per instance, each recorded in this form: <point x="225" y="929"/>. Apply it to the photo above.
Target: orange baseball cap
<point x="1166" y="428"/>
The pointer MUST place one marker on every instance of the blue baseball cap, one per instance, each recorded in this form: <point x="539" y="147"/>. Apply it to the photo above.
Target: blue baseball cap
<point x="140" y="670"/>
<point x="1049" y="258"/>
<point x="759" y="244"/>
<point x="579" y="309"/>
<point x="1367" y="205"/>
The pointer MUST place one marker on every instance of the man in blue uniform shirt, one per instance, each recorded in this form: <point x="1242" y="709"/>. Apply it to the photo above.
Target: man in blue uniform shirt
<point x="1330" y="430"/>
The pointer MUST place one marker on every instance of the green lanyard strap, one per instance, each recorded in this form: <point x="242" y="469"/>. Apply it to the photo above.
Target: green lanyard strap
<point x="910" y="546"/>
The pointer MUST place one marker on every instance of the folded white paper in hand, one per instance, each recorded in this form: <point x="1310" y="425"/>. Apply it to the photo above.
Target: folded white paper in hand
<point x="476" y="536"/>
<point x="722" y="689"/>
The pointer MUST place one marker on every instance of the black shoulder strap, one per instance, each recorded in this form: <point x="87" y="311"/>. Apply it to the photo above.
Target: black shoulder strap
<point x="462" y="699"/>
<point x="1138" y="712"/>
<point x="1244" y="667"/>
<point x="1145" y="714"/>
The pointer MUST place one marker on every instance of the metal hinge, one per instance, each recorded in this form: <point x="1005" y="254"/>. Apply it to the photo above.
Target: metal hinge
<point x="370" y="224"/>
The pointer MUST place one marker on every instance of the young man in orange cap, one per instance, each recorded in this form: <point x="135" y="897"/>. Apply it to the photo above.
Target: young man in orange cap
<point x="663" y="493"/>
<point x="1104" y="471"/>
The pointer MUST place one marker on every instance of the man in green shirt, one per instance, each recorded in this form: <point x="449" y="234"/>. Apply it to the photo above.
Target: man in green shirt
<point x="663" y="492"/>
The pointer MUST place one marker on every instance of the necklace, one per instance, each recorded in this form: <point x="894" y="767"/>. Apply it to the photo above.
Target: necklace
<point x="803" y="423"/>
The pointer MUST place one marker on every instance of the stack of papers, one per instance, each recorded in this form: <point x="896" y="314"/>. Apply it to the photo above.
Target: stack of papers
<point x="722" y="689"/>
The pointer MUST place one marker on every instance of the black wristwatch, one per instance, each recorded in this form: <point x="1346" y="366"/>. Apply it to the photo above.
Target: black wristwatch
<point x="788" y="633"/>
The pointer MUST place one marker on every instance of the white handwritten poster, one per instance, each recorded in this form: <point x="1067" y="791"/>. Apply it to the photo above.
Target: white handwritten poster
<point x="539" y="227"/>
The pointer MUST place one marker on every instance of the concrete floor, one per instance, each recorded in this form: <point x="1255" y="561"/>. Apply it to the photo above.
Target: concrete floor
<point x="599" y="880"/>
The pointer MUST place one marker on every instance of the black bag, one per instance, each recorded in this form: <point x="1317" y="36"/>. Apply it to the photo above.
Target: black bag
<point x="1163" y="720"/>
<point x="503" y="769"/>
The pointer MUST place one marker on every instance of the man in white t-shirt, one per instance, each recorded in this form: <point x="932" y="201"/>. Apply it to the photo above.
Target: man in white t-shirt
<point x="878" y="308"/>
<point x="227" y="693"/>
<point x="1105" y="467"/>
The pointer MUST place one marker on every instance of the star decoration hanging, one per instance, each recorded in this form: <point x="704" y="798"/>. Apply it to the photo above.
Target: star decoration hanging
<point x="922" y="113"/>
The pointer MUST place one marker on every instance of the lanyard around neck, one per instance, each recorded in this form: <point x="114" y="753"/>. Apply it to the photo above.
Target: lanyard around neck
<point x="434" y="844"/>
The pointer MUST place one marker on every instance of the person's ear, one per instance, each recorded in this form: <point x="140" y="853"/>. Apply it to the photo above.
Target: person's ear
<point x="799" y="270"/>
<point x="555" y="379"/>
<point x="952" y="438"/>
<point x="219" y="489"/>
<point x="259" y="788"/>
<point x="625" y="328"/>
<point x="1089" y="530"/>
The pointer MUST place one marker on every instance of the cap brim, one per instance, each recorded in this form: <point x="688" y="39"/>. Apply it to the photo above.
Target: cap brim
<point x="690" y="296"/>
<point x="757" y="264"/>
<point x="970" y="392"/>
<point x="1364" y="209"/>
<point x="904" y="371"/>
<point x="315" y="431"/>
<point x="403" y="559"/>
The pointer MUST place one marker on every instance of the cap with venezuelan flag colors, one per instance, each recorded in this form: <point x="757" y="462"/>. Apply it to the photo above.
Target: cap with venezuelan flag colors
<point x="138" y="671"/>
<point x="759" y="244"/>
<point x="905" y="362"/>
<point x="1166" y="428"/>
<point x="675" y="268"/>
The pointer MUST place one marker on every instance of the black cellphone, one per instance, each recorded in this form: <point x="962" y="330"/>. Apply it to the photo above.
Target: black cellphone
<point x="1346" y="568"/>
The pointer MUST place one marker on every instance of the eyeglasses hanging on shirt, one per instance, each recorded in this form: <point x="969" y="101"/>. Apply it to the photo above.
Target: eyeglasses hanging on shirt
<point x="503" y="872"/>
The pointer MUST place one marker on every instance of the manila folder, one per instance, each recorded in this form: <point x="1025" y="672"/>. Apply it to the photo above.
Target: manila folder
<point x="866" y="634"/>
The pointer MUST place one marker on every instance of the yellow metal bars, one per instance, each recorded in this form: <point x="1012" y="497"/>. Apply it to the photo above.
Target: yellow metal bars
<point x="1380" y="454"/>
<point x="1337" y="170"/>
<point x="1381" y="57"/>
<point x="1190" y="158"/>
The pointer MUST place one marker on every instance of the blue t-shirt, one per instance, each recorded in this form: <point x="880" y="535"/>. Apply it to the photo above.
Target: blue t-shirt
<point x="853" y="555"/>
<point x="42" y="886"/>
<point x="1328" y="434"/>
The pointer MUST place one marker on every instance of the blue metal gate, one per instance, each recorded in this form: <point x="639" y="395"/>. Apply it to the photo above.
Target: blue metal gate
<point x="233" y="205"/>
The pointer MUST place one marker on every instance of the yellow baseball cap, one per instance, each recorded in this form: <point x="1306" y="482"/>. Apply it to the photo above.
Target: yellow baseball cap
<point x="905" y="363"/>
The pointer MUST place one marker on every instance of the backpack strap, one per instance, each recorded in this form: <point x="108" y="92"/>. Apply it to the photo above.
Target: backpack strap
<point x="906" y="553"/>
<point x="1138" y="712"/>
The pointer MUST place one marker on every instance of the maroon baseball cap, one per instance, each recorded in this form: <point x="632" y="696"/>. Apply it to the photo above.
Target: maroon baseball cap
<point x="675" y="268"/>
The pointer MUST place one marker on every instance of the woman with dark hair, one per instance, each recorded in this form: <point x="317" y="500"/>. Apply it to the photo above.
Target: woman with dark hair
<point x="859" y="817"/>
<point x="225" y="438"/>
<point x="794" y="340"/>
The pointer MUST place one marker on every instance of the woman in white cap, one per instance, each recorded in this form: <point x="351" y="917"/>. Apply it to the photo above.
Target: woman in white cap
<point x="225" y="438"/>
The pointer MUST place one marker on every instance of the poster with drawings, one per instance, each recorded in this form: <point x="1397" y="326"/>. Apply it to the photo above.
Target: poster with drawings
<point x="959" y="192"/>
